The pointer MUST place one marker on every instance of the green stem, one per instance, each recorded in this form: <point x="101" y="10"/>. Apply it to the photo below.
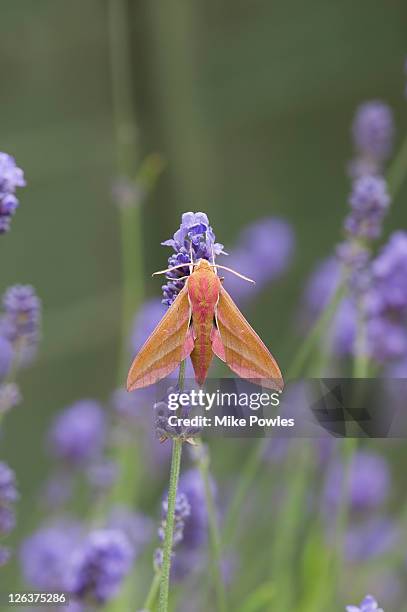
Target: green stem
<point x="397" y="171"/>
<point x="316" y="332"/>
<point x="214" y="536"/>
<point x="361" y="359"/>
<point x="245" y="480"/>
<point x="153" y="592"/>
<point x="169" y="526"/>
<point x="127" y="161"/>
<point x="348" y="450"/>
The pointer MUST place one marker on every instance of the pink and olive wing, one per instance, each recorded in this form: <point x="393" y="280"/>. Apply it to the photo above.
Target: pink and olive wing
<point x="170" y="343"/>
<point x="235" y="342"/>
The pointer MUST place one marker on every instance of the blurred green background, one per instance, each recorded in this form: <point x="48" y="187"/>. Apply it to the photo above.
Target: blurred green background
<point x="248" y="103"/>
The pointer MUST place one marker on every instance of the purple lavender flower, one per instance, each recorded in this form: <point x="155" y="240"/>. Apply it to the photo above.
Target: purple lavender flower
<point x="369" y="483"/>
<point x="46" y="555"/>
<point x="10" y="397"/>
<point x="57" y="490"/>
<point x="373" y="131"/>
<point x="181" y="513"/>
<point x="322" y="285"/>
<point x="8" y="488"/>
<point x="163" y="428"/>
<point x="78" y="433"/>
<point x="137" y="527"/>
<point x="194" y="234"/>
<point x="386" y="301"/>
<point x="21" y="321"/>
<point x="150" y="313"/>
<point x="11" y="177"/>
<point x="263" y="253"/>
<point x="196" y="525"/>
<point x="7" y="520"/>
<point x="102" y="475"/>
<point x="6" y="357"/>
<point x="369" y="202"/>
<point x="99" y="568"/>
<point x="319" y="291"/>
<point x="369" y="604"/>
<point x="371" y="538"/>
<point x="4" y="555"/>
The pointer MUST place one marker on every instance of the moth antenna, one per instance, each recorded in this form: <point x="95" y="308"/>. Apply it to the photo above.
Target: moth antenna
<point x="191" y="265"/>
<point x="176" y="279"/>
<point x="249" y="280"/>
<point x="213" y="260"/>
<point x="170" y="269"/>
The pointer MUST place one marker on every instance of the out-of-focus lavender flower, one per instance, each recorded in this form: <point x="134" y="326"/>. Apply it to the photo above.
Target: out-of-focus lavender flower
<point x="181" y="513"/>
<point x="21" y="321"/>
<point x="369" y="202"/>
<point x="100" y="566"/>
<point x="194" y="234"/>
<point x="10" y="397"/>
<point x="102" y="475"/>
<point x="319" y="290"/>
<point x="369" y="483"/>
<point x="4" y="555"/>
<point x="371" y="538"/>
<point x="263" y="253"/>
<point x="46" y="555"/>
<point x="373" y="131"/>
<point x="196" y="525"/>
<point x="6" y="357"/>
<point x="8" y="497"/>
<point x="322" y="285"/>
<point x="8" y="488"/>
<point x="57" y="490"/>
<point x="369" y="604"/>
<point x="137" y="527"/>
<point x="150" y="313"/>
<point x="386" y="301"/>
<point x="78" y="433"/>
<point x="7" y="520"/>
<point x="11" y="177"/>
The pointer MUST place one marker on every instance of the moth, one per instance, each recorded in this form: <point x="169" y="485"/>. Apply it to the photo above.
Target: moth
<point x="204" y="321"/>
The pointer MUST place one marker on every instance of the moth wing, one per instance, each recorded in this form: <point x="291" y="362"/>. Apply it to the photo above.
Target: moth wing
<point x="235" y="342"/>
<point x="170" y="343"/>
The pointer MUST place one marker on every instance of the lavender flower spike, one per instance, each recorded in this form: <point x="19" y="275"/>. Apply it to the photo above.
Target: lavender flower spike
<point x="21" y="321"/>
<point x="182" y="512"/>
<point x="373" y="131"/>
<point x="101" y="566"/>
<point x="11" y="177"/>
<point x="369" y="202"/>
<point x="369" y="604"/>
<point x="8" y="496"/>
<point x="78" y="433"/>
<point x="194" y="234"/>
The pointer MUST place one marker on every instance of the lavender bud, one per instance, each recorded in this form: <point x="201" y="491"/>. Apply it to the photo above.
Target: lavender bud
<point x="11" y="177"/>
<point x="369" y="604"/>
<point x="78" y="433"/>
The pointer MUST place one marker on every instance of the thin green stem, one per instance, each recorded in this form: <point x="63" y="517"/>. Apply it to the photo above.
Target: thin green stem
<point x="349" y="446"/>
<point x="214" y="536"/>
<point x="245" y="480"/>
<point x="153" y="592"/>
<point x="127" y="161"/>
<point x="397" y="171"/>
<point x="169" y="526"/>
<point x="361" y="359"/>
<point x="316" y="332"/>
